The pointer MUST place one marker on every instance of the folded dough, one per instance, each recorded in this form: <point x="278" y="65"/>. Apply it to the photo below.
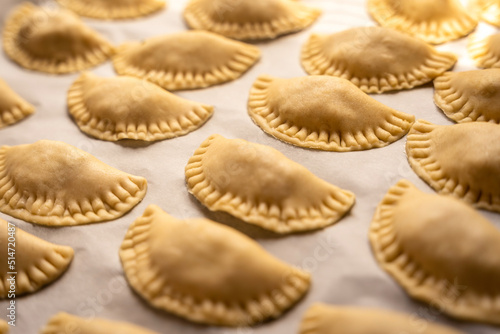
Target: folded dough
<point x="4" y="327"/>
<point x="53" y="183"/>
<point x="462" y="160"/>
<point x="250" y="19"/>
<point x="130" y="108"/>
<point x="186" y="60"/>
<point x="13" y="108"/>
<point x="52" y="40"/>
<point x="260" y="186"/>
<point x="485" y="51"/>
<point x="488" y="10"/>
<point x="207" y="272"/>
<point x="37" y="262"/>
<point x="440" y="250"/>
<point x="113" y="9"/>
<point x="327" y="319"/>
<point x="325" y="113"/>
<point x="395" y="60"/>
<point x="64" y="323"/>
<point x="434" y="21"/>
<point x="469" y="96"/>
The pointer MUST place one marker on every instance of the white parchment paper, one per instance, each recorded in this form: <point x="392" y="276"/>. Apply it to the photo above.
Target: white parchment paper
<point x="339" y="257"/>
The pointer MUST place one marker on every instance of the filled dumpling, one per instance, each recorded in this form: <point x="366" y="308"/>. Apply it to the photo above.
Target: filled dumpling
<point x="469" y="96"/>
<point x="249" y="19"/>
<point x="440" y="250"/>
<point x="36" y="261"/>
<point x="462" y="160"/>
<point x="434" y="21"/>
<point x="186" y="60"/>
<point x="325" y="113"/>
<point x="261" y="186"/>
<point x="52" y="40"/>
<point x="53" y="183"/>
<point x="207" y="272"/>
<point x="375" y="59"/>
<point x="113" y="9"/>
<point x="130" y="108"/>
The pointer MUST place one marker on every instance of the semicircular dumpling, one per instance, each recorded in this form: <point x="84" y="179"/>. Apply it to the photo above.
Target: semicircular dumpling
<point x="259" y="185"/>
<point x="114" y="9"/>
<point x="186" y="60"/>
<point x="52" y="40"/>
<point x="4" y="327"/>
<point x="485" y="51"/>
<point x="37" y="262"/>
<point x="440" y="250"/>
<point x="434" y="21"/>
<point x="207" y="272"/>
<point x="130" y="108"/>
<point x="53" y="183"/>
<point x="488" y="10"/>
<point x="375" y="59"/>
<point x="462" y="160"/>
<point x="64" y="323"/>
<point x="250" y="19"/>
<point x="325" y="113"/>
<point x="329" y="319"/>
<point x="469" y="96"/>
<point x="13" y="108"/>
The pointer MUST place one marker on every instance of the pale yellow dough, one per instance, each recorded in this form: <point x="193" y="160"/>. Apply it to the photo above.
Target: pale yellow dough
<point x="260" y="186"/>
<point x="250" y="19"/>
<point x="4" y="327"/>
<point x="186" y="60"/>
<point x="488" y="10"/>
<point x="13" y="108"/>
<point x="485" y="51"/>
<point x="53" y="183"/>
<point x="130" y="108"/>
<point x="469" y="96"/>
<point x="64" y="323"/>
<point x="434" y="21"/>
<point x="375" y="59"/>
<point x="329" y="319"/>
<point x="324" y="112"/>
<point x="207" y="272"/>
<point x="113" y="9"/>
<point x="462" y="160"/>
<point x="440" y="250"/>
<point x="52" y="40"/>
<point x="37" y="262"/>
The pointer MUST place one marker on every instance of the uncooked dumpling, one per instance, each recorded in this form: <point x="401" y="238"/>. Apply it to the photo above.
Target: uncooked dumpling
<point x="130" y="108"/>
<point x="36" y="261"/>
<point x="325" y="113"/>
<point x="488" y="10"/>
<point x="52" y="40"/>
<point x="434" y="21"/>
<point x="375" y="59"/>
<point x="260" y="186"/>
<point x="53" y="183"/>
<point x="326" y="319"/>
<point x="469" y="96"/>
<point x="13" y="108"/>
<point x="64" y="323"/>
<point x="462" y="160"/>
<point x="485" y="51"/>
<point x="207" y="272"/>
<point x="186" y="60"/>
<point x="113" y="9"/>
<point x="440" y="250"/>
<point x="250" y="19"/>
